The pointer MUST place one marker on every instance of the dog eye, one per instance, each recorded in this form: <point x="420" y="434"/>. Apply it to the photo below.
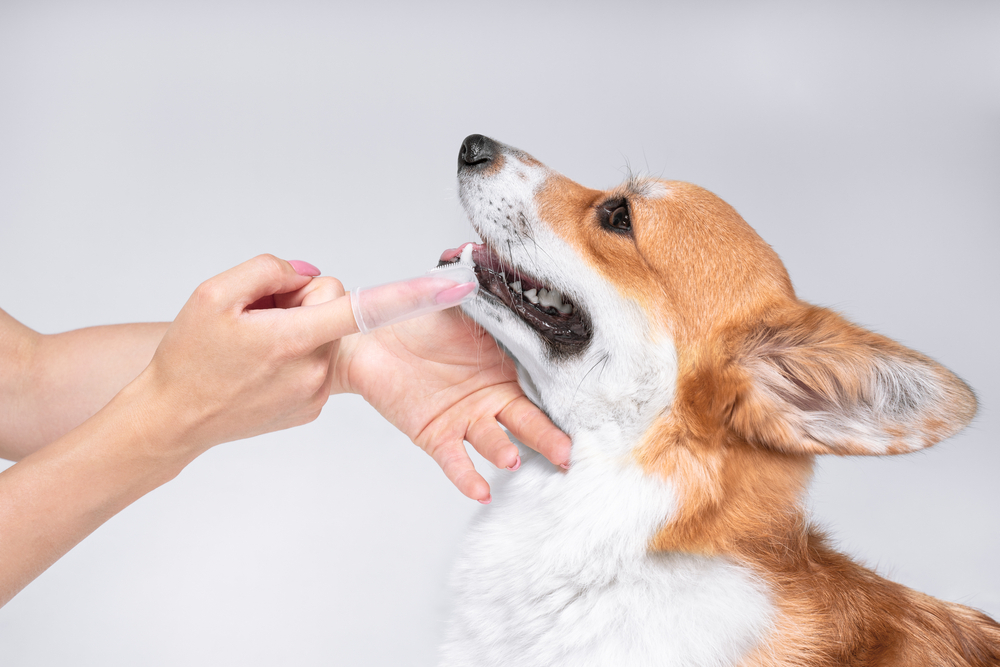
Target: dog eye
<point x="614" y="216"/>
<point x="620" y="219"/>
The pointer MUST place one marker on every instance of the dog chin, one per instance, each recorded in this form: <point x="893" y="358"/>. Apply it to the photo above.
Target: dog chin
<point x="526" y="348"/>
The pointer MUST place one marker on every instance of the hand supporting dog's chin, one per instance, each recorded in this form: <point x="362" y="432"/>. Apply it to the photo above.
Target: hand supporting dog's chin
<point x="530" y="356"/>
<point x="441" y="380"/>
<point x="527" y="383"/>
<point x="517" y="340"/>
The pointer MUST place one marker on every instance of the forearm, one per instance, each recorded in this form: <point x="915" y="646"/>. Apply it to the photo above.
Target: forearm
<point x="222" y="371"/>
<point x="65" y="378"/>
<point x="58" y="495"/>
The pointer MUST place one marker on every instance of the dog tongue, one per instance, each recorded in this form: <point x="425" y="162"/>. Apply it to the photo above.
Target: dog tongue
<point x="452" y="253"/>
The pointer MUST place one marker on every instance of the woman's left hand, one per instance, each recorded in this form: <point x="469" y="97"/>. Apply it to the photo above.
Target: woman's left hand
<point x="441" y="380"/>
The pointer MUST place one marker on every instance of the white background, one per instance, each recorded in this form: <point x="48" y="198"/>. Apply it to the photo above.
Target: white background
<point x="144" y="150"/>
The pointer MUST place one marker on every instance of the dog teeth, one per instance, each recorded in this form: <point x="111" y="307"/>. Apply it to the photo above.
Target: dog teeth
<point x="549" y="298"/>
<point x="466" y="256"/>
<point x="543" y="297"/>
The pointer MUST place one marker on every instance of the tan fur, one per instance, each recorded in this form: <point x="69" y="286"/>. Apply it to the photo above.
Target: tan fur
<point x="760" y="376"/>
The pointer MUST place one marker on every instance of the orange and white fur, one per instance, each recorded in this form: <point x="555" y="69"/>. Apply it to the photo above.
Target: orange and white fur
<point x="697" y="390"/>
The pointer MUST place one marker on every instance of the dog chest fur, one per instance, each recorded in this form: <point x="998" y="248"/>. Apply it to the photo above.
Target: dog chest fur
<point x="557" y="571"/>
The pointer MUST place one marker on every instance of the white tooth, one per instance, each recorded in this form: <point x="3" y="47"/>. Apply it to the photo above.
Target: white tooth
<point x="566" y="309"/>
<point x="549" y="299"/>
<point x="466" y="256"/>
<point x="531" y="296"/>
<point x="516" y="286"/>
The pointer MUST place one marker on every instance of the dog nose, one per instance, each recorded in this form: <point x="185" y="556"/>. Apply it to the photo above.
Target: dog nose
<point x="476" y="151"/>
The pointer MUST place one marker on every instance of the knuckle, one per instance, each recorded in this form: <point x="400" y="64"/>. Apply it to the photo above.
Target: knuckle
<point x="269" y="263"/>
<point x="451" y="461"/>
<point x="336" y="287"/>
<point x="209" y="292"/>
<point x="328" y="288"/>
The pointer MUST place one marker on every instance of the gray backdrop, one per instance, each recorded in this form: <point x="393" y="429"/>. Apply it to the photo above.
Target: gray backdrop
<point x="144" y="150"/>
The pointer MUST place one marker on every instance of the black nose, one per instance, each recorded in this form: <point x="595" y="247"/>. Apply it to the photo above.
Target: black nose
<point x="477" y="151"/>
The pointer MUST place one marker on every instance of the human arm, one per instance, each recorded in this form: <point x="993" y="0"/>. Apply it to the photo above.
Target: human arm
<point x="449" y="382"/>
<point x="223" y="371"/>
<point x="49" y="384"/>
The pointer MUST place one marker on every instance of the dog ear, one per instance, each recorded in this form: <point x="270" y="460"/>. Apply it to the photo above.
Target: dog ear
<point x="813" y="382"/>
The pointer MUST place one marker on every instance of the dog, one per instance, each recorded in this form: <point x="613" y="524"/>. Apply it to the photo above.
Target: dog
<point x="654" y="326"/>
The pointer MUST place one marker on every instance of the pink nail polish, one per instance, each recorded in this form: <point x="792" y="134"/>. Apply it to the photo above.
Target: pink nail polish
<point x="517" y="464"/>
<point x="454" y="295"/>
<point x="304" y="268"/>
<point x="487" y="500"/>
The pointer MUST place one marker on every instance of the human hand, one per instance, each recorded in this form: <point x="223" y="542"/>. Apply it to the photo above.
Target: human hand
<point x="249" y="353"/>
<point x="441" y="379"/>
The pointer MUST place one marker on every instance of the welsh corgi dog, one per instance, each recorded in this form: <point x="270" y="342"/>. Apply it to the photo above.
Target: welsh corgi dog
<point x="654" y="326"/>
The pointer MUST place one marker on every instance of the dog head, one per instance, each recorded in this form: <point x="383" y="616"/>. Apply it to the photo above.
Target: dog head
<point x="667" y="321"/>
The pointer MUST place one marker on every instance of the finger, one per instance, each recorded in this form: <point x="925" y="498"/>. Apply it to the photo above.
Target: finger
<point x="486" y="436"/>
<point x="304" y="268"/>
<point x="322" y="290"/>
<point x="262" y="303"/>
<point x="398" y="301"/>
<point x="457" y="467"/>
<point x="253" y="280"/>
<point x="530" y="425"/>
<point x="325" y="322"/>
<point x="318" y="290"/>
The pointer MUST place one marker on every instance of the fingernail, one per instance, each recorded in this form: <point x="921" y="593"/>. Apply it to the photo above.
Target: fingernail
<point x="487" y="500"/>
<point x="517" y="464"/>
<point x="455" y="295"/>
<point x="304" y="268"/>
<point x="564" y="466"/>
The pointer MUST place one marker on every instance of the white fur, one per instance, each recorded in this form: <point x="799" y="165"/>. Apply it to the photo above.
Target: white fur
<point x="557" y="570"/>
<point x="649" y="189"/>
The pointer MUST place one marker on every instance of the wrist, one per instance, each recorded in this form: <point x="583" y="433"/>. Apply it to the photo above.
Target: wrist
<point x="19" y="349"/>
<point x="163" y="427"/>
<point x="19" y="352"/>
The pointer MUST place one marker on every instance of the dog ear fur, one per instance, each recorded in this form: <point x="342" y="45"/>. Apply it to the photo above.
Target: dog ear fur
<point x="813" y="382"/>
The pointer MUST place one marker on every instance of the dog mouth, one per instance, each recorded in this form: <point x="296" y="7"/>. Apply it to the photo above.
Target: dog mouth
<point x="543" y="308"/>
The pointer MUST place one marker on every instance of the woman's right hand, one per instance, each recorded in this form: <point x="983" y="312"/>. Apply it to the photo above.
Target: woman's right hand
<point x="250" y="352"/>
